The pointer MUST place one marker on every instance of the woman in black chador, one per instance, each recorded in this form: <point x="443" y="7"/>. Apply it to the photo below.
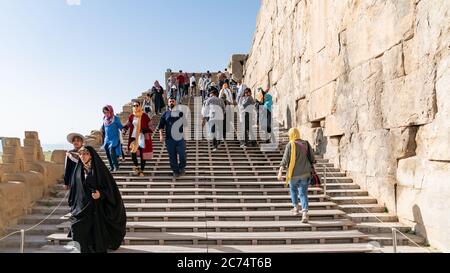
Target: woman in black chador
<point x="98" y="221"/>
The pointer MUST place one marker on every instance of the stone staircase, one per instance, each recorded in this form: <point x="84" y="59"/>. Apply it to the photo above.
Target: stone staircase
<point x="228" y="201"/>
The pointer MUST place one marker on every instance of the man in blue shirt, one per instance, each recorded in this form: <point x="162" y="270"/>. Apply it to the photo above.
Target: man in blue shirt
<point x="172" y="122"/>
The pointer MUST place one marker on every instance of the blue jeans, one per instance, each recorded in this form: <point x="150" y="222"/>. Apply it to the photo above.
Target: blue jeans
<point x="177" y="155"/>
<point x="300" y="187"/>
<point x="112" y="157"/>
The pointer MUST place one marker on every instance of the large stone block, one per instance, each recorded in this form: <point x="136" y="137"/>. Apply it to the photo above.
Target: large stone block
<point x="32" y="135"/>
<point x="33" y="181"/>
<point x="321" y="102"/>
<point x="400" y="108"/>
<point x="375" y="27"/>
<point x="424" y="191"/>
<point x="58" y="156"/>
<point x="333" y="127"/>
<point x="12" y="202"/>
<point x="11" y="142"/>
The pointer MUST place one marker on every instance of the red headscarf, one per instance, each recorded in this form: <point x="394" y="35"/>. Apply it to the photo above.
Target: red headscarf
<point x="109" y="118"/>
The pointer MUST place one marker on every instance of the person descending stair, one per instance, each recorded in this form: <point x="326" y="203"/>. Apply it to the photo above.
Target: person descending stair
<point x="111" y="128"/>
<point x="175" y="140"/>
<point x="227" y="96"/>
<point x="213" y="114"/>
<point x="157" y="94"/>
<point x="98" y="217"/>
<point x="298" y="176"/>
<point x="246" y="112"/>
<point x="140" y="140"/>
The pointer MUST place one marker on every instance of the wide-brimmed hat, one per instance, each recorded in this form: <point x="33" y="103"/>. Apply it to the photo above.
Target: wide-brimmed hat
<point x="71" y="136"/>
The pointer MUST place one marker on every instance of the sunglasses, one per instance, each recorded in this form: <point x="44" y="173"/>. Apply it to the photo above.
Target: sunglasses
<point x="136" y="105"/>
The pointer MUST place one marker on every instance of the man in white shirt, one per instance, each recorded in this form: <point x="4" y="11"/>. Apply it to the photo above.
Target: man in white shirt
<point x="213" y="113"/>
<point x="193" y="86"/>
<point x="241" y="89"/>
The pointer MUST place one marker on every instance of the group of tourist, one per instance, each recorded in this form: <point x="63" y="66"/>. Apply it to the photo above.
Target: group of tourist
<point x="98" y="216"/>
<point x="219" y="105"/>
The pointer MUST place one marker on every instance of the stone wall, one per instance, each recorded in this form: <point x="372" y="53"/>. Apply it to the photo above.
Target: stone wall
<point x="369" y="84"/>
<point x="25" y="176"/>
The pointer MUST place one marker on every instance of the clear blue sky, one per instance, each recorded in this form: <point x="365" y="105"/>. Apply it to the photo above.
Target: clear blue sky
<point x="60" y="64"/>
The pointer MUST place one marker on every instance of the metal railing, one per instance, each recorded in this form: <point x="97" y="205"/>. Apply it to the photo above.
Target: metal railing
<point x="394" y="230"/>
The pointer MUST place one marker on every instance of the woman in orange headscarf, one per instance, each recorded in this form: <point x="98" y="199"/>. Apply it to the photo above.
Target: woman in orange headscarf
<point x="140" y="140"/>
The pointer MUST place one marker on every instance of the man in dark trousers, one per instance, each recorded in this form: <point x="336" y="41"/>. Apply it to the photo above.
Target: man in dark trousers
<point x="72" y="157"/>
<point x="172" y="122"/>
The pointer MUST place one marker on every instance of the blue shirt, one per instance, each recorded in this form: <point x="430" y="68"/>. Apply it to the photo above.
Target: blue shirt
<point x="268" y="102"/>
<point x="170" y="119"/>
<point x="112" y="132"/>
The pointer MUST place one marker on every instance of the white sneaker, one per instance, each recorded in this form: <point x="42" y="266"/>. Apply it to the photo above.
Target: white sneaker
<point x="305" y="217"/>
<point x="295" y="211"/>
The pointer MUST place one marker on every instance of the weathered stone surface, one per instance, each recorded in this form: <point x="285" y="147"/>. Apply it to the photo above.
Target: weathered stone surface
<point x="321" y="102"/>
<point x="378" y="73"/>
<point x="333" y="127"/>
<point x="24" y="176"/>
<point x="12" y="202"/>
<point x="236" y="66"/>
<point x="58" y="156"/>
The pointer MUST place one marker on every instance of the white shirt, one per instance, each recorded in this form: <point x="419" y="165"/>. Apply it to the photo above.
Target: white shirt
<point x="228" y="95"/>
<point x="135" y="124"/>
<point x="192" y="80"/>
<point x="200" y="83"/>
<point x="133" y="135"/>
<point x="240" y="92"/>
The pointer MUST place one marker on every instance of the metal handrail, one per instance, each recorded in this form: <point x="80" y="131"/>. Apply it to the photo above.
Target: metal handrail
<point x="395" y="231"/>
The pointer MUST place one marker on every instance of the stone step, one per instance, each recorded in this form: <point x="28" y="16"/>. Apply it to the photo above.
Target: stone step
<point x="208" y="180"/>
<point x="343" y="192"/>
<point x="31" y="241"/>
<point x="385" y="239"/>
<point x="321" y="248"/>
<point x="232" y="238"/>
<point x="223" y="206"/>
<point x="342" y="186"/>
<point x="346" y="200"/>
<point x="207" y="163"/>
<point x="230" y="215"/>
<point x="199" y="191"/>
<point x="209" y="185"/>
<point x="36" y="218"/>
<point x="236" y="168"/>
<point x="231" y="226"/>
<point x="44" y="229"/>
<point x="355" y="208"/>
<point x="377" y="227"/>
<point x="199" y="207"/>
<point x="372" y="217"/>
<point x="216" y="198"/>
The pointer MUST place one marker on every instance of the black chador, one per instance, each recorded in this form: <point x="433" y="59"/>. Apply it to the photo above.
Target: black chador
<point x="97" y="225"/>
